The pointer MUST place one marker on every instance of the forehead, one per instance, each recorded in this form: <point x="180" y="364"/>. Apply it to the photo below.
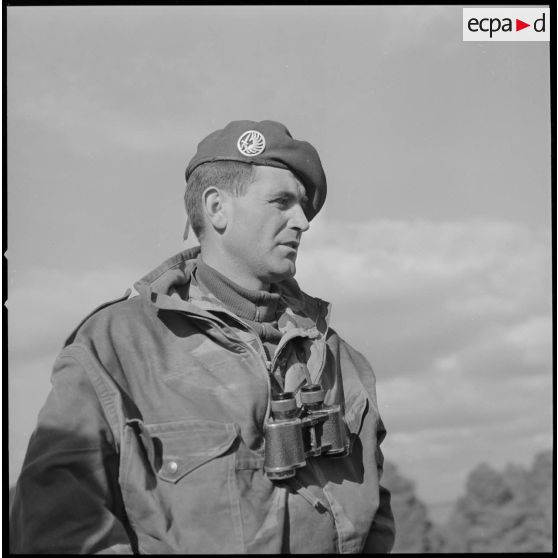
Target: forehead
<point x="275" y="180"/>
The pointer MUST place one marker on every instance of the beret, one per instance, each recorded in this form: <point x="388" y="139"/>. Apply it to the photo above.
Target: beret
<point x="266" y="143"/>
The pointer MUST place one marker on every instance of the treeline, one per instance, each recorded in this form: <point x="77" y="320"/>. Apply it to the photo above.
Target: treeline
<point x="507" y="511"/>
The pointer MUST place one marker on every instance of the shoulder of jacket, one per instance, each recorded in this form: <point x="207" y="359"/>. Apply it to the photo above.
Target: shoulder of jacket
<point x="96" y="311"/>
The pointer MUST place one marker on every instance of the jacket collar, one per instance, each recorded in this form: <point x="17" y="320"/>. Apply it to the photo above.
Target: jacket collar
<point x="168" y="287"/>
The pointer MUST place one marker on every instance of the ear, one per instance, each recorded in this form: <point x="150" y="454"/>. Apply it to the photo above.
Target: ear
<point x="215" y="206"/>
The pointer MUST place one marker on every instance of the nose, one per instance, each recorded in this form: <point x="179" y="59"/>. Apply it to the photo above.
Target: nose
<point x="298" y="219"/>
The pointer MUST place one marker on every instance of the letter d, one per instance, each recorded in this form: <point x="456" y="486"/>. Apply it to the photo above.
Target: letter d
<point x="541" y="20"/>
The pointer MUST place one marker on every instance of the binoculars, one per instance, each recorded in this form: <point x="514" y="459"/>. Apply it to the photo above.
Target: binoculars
<point x="293" y="434"/>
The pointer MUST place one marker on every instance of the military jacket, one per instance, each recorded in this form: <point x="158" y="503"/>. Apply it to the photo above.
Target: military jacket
<point x="152" y="437"/>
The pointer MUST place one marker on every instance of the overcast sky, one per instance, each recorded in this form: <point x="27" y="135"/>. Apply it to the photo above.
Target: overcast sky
<point x="434" y="243"/>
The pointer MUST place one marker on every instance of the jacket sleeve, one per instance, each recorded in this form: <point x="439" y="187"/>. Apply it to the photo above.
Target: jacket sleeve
<point x="67" y="498"/>
<point x="382" y="534"/>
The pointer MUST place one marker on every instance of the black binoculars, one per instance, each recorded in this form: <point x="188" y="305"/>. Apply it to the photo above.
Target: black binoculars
<point x="293" y="434"/>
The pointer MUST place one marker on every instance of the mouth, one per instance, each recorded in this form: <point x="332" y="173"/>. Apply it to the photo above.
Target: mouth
<point x="293" y="244"/>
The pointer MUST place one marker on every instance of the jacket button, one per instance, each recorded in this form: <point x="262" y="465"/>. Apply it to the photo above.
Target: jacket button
<point x="172" y="466"/>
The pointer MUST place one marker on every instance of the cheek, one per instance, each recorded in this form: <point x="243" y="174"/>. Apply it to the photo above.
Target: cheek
<point x="256" y="232"/>
<point x="263" y="230"/>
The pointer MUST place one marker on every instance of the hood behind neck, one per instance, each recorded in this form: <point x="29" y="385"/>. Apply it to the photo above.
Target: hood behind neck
<point x="173" y="278"/>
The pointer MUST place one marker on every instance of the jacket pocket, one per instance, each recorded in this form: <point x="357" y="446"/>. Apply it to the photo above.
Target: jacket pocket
<point x="178" y="475"/>
<point x="181" y="447"/>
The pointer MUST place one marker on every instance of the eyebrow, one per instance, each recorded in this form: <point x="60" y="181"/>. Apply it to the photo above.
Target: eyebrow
<point x="292" y="195"/>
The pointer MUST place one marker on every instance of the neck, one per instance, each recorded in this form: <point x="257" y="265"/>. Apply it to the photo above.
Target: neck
<point x="249" y="304"/>
<point x="227" y="266"/>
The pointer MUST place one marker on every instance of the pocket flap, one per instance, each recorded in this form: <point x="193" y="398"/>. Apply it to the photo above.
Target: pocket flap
<point x="181" y="447"/>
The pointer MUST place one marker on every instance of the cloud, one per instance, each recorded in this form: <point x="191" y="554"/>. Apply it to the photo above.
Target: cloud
<point x="441" y="459"/>
<point x="90" y="126"/>
<point x="422" y="289"/>
<point x="455" y="318"/>
<point x="152" y="89"/>
<point x="445" y="399"/>
<point x="407" y="27"/>
<point x="44" y="306"/>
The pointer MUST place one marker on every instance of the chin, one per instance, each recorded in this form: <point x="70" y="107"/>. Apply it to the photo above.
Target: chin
<point x="280" y="274"/>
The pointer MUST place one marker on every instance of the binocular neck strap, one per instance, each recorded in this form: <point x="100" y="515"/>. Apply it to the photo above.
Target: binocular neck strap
<point x="314" y="501"/>
<point x="296" y="376"/>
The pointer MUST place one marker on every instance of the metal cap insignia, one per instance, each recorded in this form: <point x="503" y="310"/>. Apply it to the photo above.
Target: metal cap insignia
<point x="251" y="143"/>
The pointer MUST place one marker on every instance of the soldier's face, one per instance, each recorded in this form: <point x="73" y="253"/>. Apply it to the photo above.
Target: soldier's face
<point x="265" y="225"/>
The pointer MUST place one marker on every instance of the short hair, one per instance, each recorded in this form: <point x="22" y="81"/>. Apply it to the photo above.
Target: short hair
<point x="231" y="176"/>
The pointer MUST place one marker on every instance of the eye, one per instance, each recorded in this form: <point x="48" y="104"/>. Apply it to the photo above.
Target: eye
<point x="282" y="201"/>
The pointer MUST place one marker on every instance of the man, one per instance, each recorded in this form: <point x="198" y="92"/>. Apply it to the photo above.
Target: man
<point x="153" y="438"/>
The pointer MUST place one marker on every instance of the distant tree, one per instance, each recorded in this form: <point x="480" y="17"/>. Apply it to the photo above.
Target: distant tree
<point x="504" y="512"/>
<point x="414" y="530"/>
<point x="483" y="515"/>
<point x="535" y="499"/>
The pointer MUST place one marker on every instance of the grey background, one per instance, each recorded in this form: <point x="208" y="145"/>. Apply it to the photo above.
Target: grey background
<point x="433" y="246"/>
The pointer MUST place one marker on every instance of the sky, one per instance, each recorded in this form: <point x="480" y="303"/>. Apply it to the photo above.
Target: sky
<point x="434" y="245"/>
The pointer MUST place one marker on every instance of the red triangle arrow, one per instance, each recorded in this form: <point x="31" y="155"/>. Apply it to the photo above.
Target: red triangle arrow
<point x="519" y="25"/>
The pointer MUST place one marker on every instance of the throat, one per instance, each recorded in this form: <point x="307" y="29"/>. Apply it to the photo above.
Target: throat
<point x="249" y="304"/>
<point x="258" y="308"/>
